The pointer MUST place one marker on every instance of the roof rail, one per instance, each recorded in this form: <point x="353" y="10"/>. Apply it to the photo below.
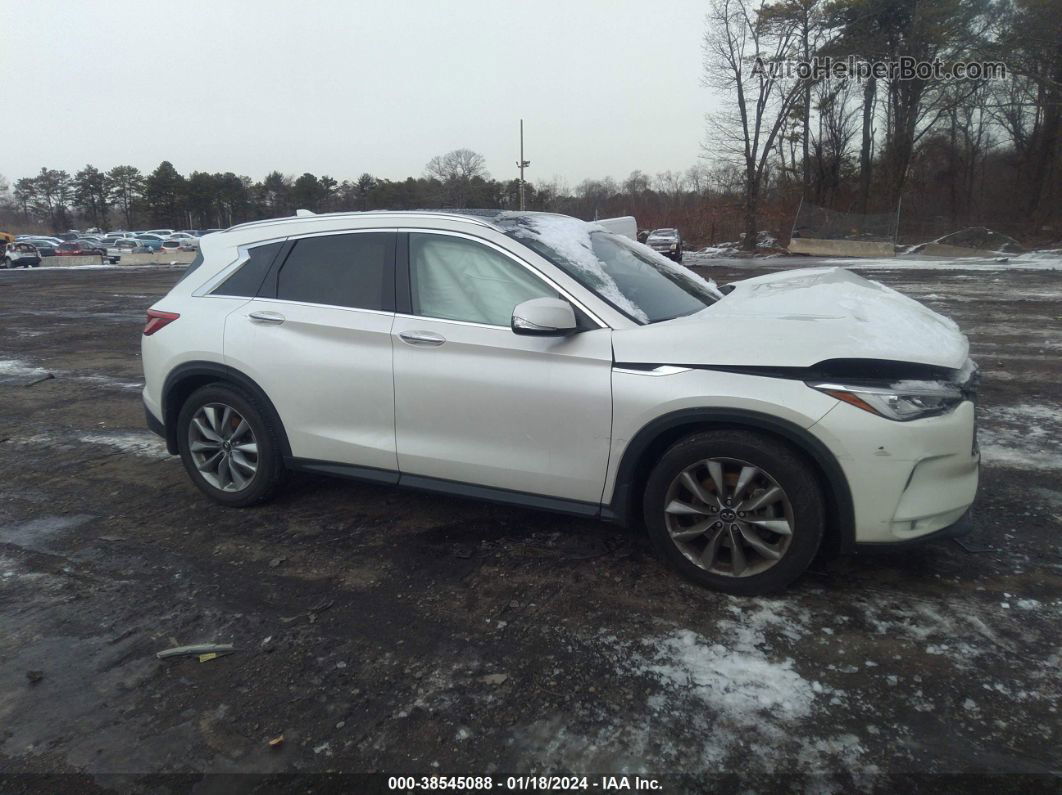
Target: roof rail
<point x="304" y="214"/>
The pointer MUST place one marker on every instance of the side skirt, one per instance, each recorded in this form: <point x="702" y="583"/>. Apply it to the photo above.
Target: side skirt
<point x="452" y="487"/>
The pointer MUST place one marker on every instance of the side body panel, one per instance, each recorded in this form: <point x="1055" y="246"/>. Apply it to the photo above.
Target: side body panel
<point x="487" y="406"/>
<point x="327" y="370"/>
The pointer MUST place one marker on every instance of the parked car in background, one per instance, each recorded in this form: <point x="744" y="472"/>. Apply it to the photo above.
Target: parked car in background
<point x="171" y="245"/>
<point x="129" y="245"/>
<point x="667" y="241"/>
<point x="163" y="233"/>
<point x="65" y="236"/>
<point x="150" y="241"/>
<point x="20" y="255"/>
<point x="83" y="248"/>
<point x="188" y="242"/>
<point x="45" y="246"/>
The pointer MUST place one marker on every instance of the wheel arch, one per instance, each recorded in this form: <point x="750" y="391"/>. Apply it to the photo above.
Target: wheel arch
<point x="649" y="443"/>
<point x="184" y="379"/>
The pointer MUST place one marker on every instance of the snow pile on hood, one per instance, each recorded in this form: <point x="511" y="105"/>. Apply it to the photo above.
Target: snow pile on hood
<point x="570" y="238"/>
<point x="883" y="317"/>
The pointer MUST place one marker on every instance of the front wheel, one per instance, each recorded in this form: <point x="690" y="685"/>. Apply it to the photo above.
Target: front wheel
<point x="737" y="511"/>
<point x="227" y="446"/>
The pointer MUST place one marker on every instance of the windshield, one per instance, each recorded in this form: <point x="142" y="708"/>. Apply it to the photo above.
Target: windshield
<point x="633" y="278"/>
<point x="664" y="233"/>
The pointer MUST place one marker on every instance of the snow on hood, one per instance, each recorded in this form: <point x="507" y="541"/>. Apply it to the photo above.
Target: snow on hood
<point x="798" y="319"/>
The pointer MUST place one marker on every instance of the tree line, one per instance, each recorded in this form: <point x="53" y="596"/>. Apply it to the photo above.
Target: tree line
<point x="123" y="196"/>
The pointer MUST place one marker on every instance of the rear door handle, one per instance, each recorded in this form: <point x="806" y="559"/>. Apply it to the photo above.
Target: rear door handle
<point x="267" y="317"/>
<point x="427" y="338"/>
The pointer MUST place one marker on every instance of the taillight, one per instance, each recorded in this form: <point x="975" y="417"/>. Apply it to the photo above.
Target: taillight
<point x="157" y="320"/>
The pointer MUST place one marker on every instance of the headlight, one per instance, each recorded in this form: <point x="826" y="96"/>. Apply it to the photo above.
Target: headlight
<point x="903" y="401"/>
<point x="674" y="246"/>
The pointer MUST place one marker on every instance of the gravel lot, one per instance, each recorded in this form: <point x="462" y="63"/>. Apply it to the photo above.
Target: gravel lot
<point x="381" y="630"/>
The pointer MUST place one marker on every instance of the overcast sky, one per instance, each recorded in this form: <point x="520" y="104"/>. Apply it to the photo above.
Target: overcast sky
<point x="340" y="87"/>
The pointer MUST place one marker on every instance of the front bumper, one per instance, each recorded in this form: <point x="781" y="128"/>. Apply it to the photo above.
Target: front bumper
<point x="963" y="526"/>
<point x="909" y="480"/>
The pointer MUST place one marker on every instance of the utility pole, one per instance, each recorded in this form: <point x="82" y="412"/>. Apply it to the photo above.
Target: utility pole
<point x="522" y="164"/>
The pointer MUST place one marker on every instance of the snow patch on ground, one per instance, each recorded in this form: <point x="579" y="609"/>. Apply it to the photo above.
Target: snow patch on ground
<point x="137" y="443"/>
<point x="17" y="370"/>
<point x="741" y="685"/>
<point x="1030" y="262"/>
<point x="1025" y="436"/>
<point x="141" y="443"/>
<point x="743" y="690"/>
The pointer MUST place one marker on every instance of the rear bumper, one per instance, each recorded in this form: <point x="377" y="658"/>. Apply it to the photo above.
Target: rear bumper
<point x="155" y="425"/>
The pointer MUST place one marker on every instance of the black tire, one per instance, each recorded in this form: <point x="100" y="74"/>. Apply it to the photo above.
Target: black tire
<point x="785" y="466"/>
<point x="270" y="463"/>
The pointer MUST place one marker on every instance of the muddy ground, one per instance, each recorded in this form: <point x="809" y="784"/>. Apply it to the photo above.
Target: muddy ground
<point x="391" y="631"/>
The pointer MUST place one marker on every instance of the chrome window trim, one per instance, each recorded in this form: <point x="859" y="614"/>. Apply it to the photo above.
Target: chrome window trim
<point x="505" y="252"/>
<point x="448" y="320"/>
<point x="664" y="369"/>
<point x="319" y="306"/>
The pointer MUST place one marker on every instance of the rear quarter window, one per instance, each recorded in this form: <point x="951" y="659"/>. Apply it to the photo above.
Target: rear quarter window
<point x="250" y="275"/>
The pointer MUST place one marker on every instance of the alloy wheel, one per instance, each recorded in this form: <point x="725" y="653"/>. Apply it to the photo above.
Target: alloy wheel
<point x="729" y="517"/>
<point x="223" y="447"/>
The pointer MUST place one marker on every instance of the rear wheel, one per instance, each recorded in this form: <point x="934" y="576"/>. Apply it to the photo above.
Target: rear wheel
<point x="738" y="511"/>
<point x="228" y="448"/>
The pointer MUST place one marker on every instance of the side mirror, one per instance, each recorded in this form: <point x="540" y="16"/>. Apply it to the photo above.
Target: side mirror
<point x="544" y="317"/>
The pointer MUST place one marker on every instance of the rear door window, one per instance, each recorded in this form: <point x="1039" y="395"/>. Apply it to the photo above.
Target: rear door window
<point x="352" y="270"/>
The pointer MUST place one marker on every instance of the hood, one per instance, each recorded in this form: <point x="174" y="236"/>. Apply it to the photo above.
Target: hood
<point x="798" y="319"/>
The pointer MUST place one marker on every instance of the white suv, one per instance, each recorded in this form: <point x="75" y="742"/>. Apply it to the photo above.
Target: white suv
<point x="539" y="360"/>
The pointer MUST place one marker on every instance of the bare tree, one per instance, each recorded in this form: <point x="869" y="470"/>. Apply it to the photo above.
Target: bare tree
<point x="460" y="164"/>
<point x="739" y="54"/>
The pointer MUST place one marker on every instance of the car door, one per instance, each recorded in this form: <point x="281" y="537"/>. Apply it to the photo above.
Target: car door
<point x="476" y="403"/>
<point x="316" y="338"/>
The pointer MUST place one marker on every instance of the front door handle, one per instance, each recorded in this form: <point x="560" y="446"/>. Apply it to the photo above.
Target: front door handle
<point x="267" y="317"/>
<point x="428" y="338"/>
